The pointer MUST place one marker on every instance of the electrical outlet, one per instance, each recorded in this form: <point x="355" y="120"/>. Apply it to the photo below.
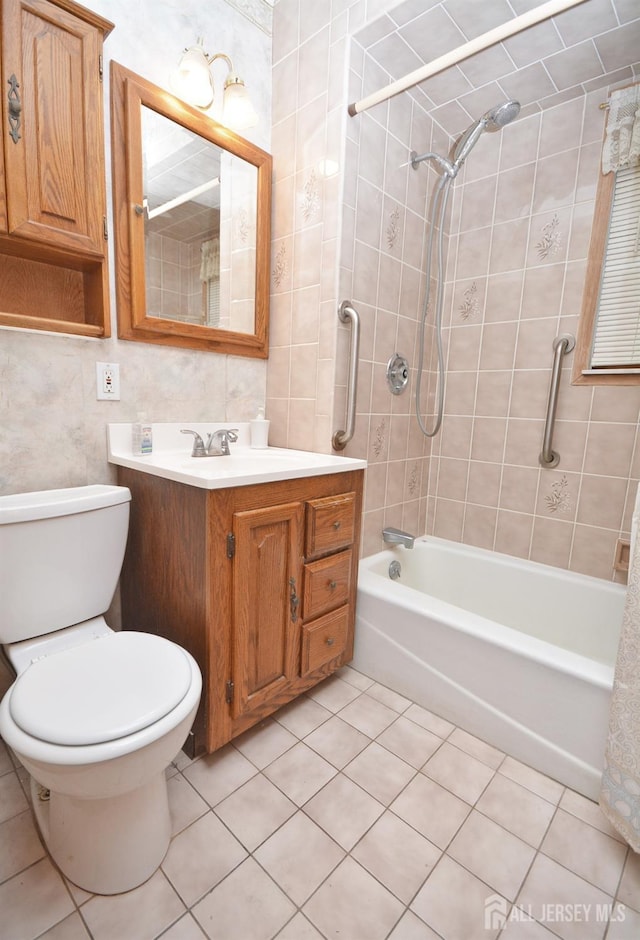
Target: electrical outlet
<point x="107" y="381"/>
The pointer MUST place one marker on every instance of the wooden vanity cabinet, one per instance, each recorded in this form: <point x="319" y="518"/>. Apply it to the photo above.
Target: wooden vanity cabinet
<point x="53" y="272"/>
<point x="257" y="582"/>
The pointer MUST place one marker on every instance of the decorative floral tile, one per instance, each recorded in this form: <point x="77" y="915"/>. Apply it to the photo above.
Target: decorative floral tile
<point x="558" y="500"/>
<point x="393" y="228"/>
<point x="551" y="241"/>
<point x="280" y="267"/>
<point x="311" y="197"/>
<point x="470" y="305"/>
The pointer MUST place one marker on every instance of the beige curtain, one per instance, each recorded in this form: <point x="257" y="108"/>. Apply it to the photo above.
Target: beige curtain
<point x="621" y="148"/>
<point x="620" y="788"/>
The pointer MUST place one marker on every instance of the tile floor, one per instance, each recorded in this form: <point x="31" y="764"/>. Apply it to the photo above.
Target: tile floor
<point x="351" y="814"/>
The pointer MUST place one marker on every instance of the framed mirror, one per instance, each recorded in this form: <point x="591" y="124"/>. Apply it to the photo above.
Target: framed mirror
<point x="192" y="211"/>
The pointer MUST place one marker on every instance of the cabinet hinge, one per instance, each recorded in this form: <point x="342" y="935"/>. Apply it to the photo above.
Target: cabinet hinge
<point x="228" y="694"/>
<point x="105" y="228"/>
<point x="100" y="67"/>
<point x="231" y="545"/>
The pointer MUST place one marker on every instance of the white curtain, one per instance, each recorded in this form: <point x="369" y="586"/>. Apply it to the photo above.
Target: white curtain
<point x="210" y="260"/>
<point x="620" y="788"/>
<point x="621" y="148"/>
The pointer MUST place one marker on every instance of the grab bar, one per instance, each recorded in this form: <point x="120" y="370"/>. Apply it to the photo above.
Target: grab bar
<point x="562" y="345"/>
<point x="348" y="312"/>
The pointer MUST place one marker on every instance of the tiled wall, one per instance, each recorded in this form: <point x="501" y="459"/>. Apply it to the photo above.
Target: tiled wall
<point x="519" y="241"/>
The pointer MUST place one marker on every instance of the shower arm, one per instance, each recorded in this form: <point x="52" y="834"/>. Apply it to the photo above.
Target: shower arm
<point x="442" y="162"/>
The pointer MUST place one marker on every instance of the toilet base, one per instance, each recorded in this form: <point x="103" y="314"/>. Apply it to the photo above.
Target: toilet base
<point x="106" y="846"/>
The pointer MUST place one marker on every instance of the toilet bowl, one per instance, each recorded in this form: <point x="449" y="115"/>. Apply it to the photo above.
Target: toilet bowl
<point x="95" y="716"/>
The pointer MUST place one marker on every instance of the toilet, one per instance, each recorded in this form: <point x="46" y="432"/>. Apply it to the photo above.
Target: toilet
<point x="94" y="715"/>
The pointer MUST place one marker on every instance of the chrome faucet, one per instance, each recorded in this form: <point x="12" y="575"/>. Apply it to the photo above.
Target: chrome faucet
<point x="397" y="537"/>
<point x="217" y="443"/>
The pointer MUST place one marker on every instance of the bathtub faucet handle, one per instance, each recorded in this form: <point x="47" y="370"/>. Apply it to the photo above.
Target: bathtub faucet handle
<point x="393" y="536"/>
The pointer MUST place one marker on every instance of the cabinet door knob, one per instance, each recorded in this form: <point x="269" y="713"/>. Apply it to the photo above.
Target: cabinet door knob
<point x="294" y="600"/>
<point x="332" y="585"/>
<point x="336" y="525"/>
<point x="15" y="109"/>
<point x="330" y="640"/>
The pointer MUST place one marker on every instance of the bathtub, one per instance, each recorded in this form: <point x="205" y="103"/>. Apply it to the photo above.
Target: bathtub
<point x="517" y="653"/>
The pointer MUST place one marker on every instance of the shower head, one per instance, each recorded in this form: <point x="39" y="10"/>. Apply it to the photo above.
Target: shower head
<point x="493" y="120"/>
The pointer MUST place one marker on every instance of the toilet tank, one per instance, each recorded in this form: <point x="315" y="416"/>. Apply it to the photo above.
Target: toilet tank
<point x="61" y="552"/>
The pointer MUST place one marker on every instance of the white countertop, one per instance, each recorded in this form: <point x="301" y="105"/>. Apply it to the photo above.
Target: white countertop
<point x="171" y="457"/>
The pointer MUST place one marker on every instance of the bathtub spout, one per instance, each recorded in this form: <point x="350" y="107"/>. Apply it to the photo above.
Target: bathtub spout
<point x="397" y="537"/>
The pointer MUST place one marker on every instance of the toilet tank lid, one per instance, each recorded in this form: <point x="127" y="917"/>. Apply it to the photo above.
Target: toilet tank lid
<point x="47" y="504"/>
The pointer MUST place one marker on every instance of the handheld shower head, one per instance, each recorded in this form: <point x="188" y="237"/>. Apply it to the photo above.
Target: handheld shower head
<point x="493" y="120"/>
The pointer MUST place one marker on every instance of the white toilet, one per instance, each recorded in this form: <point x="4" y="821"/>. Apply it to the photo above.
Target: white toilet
<point x="94" y="715"/>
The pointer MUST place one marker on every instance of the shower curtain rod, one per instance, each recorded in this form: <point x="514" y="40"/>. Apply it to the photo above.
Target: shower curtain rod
<point x="530" y="18"/>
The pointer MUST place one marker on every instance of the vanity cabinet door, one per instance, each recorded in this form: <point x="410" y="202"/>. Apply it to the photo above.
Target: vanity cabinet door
<point x="52" y="124"/>
<point x="265" y="623"/>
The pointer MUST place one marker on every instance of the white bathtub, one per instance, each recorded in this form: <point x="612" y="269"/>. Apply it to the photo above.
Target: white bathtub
<point x="518" y="653"/>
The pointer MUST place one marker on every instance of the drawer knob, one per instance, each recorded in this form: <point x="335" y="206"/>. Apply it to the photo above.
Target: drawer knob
<point x="330" y="640"/>
<point x="336" y="525"/>
<point x="333" y="585"/>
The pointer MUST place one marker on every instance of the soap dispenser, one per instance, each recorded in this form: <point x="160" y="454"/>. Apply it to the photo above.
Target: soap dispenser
<point x="259" y="428"/>
<point x="141" y="435"/>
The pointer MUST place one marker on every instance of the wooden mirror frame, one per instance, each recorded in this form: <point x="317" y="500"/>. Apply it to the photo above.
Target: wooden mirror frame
<point x="129" y="92"/>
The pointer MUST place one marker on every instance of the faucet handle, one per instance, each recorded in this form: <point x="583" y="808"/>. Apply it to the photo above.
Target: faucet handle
<point x="199" y="450"/>
<point x="232" y="434"/>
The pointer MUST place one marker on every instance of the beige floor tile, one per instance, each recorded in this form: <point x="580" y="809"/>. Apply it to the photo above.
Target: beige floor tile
<point x="184" y="929"/>
<point x="337" y="741"/>
<point x="299" y="856"/>
<point x="368" y="715"/>
<point x="452" y="901"/>
<point x="629" y="890"/>
<point x="545" y="787"/>
<point x="355" y="678"/>
<point x="334" y="693"/>
<point x="550" y="887"/>
<point x="185" y="803"/>
<point x="338" y="907"/>
<point x="299" y="928"/>
<point x="459" y="772"/>
<point x="12" y="798"/>
<point x="431" y="809"/>
<point x="33" y="902"/>
<point x="484" y="752"/>
<point x="388" y="697"/>
<point x="344" y="810"/>
<point x="428" y="720"/>
<point x="380" y="773"/>
<point x="217" y="775"/>
<point x="144" y="912"/>
<point x="409" y="741"/>
<point x="302" y="716"/>
<point x="71" y="928"/>
<point x="255" y="811"/>
<point x="491" y="853"/>
<point x="522" y="927"/>
<point x="396" y="855"/>
<point x="411" y="927"/>
<point x="300" y="773"/>
<point x="245" y="905"/>
<point x="6" y="764"/>
<point x="586" y="851"/>
<point x="517" y="809"/>
<point x="20" y="844"/>
<point x="625" y="924"/>
<point x="589" y="812"/>
<point x="200" y="857"/>
<point x="265" y="742"/>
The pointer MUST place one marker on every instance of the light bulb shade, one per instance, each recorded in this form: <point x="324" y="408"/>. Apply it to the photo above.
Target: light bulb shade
<point x="192" y="80"/>
<point x="238" y="111"/>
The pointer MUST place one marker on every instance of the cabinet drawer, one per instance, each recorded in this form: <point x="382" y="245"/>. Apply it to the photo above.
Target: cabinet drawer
<point x="324" y="639"/>
<point x="326" y="584"/>
<point x="330" y="524"/>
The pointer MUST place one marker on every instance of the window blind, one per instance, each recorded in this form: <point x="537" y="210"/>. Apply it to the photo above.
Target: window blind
<point x="616" y="341"/>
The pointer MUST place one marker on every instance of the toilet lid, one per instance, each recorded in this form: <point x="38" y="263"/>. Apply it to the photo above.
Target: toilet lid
<point x="101" y="690"/>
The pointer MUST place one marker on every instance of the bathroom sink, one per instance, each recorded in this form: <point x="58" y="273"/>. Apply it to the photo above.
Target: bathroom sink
<point x="243" y="466"/>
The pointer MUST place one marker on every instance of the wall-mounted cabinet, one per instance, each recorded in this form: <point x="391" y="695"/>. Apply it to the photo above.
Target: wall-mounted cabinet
<point x="53" y="271"/>
<point x="257" y="582"/>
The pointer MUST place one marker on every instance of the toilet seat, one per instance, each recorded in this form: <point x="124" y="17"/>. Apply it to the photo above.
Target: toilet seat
<point x="101" y="690"/>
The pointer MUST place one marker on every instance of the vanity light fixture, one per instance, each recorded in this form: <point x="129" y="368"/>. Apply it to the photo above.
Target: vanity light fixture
<point x="193" y="82"/>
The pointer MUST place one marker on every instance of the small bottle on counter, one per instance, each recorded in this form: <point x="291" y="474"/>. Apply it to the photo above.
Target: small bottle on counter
<point x="141" y="436"/>
<point x="259" y="429"/>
